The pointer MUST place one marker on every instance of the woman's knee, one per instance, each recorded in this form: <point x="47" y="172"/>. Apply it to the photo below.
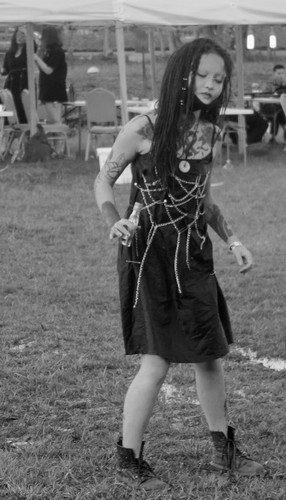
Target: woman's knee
<point x="154" y="367"/>
<point x="211" y="366"/>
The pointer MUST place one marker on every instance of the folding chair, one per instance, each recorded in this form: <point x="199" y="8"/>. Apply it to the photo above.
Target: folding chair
<point x="101" y="116"/>
<point x="283" y="105"/>
<point x="14" y="129"/>
<point x="229" y="127"/>
<point x="283" y="102"/>
<point x="56" y="132"/>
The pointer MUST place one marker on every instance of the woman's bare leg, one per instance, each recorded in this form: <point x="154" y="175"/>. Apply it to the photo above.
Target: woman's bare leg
<point x="53" y="112"/>
<point x="140" y="400"/>
<point x="211" y="394"/>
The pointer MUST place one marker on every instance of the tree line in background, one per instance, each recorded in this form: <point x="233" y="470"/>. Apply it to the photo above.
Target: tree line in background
<point x="166" y="38"/>
<point x="101" y="39"/>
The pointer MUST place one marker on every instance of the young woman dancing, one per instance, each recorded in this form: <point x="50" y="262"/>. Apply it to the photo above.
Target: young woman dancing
<point x="173" y="310"/>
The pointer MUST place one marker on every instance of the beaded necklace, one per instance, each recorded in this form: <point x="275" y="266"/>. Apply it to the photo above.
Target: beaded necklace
<point x="172" y="206"/>
<point x="180" y="208"/>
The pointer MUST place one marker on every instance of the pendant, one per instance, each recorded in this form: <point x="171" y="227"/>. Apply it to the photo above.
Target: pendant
<point x="184" y="166"/>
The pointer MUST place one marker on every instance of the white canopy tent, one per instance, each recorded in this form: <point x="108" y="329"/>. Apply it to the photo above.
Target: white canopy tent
<point x="165" y="12"/>
<point x="144" y="12"/>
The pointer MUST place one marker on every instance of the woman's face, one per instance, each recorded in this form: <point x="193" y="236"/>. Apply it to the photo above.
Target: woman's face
<point x="21" y="36"/>
<point x="209" y="78"/>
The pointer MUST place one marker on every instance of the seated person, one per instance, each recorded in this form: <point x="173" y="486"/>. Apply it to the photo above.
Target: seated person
<point x="256" y="126"/>
<point x="277" y="84"/>
<point x="273" y="112"/>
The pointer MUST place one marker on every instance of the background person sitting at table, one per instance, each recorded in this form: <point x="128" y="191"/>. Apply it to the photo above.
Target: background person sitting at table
<point x="277" y="84"/>
<point x="272" y="111"/>
<point x="53" y="73"/>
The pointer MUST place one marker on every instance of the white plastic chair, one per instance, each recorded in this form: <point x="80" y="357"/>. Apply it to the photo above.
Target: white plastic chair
<point x="101" y="116"/>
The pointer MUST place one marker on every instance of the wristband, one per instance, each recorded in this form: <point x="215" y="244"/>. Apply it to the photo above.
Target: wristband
<point x="235" y="244"/>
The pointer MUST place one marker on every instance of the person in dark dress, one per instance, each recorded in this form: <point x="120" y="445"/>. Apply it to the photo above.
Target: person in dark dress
<point x="172" y="307"/>
<point x="15" y="67"/>
<point x="53" y="73"/>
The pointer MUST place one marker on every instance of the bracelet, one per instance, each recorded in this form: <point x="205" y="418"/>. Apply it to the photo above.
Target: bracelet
<point x="235" y="244"/>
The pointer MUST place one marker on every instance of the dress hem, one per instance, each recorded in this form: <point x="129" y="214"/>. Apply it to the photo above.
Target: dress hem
<point x="201" y="359"/>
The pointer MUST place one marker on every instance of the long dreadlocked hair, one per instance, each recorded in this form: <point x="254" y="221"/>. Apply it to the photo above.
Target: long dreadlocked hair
<point x="177" y="97"/>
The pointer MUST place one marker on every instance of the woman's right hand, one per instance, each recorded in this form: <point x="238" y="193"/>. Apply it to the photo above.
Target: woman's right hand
<point x="123" y="228"/>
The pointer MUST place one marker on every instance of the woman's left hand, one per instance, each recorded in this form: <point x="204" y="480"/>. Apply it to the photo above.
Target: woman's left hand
<point x="244" y="258"/>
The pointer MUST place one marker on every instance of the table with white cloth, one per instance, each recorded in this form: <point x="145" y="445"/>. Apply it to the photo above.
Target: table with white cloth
<point x="144" y="106"/>
<point x="139" y="107"/>
<point x="270" y="99"/>
<point x="3" y="114"/>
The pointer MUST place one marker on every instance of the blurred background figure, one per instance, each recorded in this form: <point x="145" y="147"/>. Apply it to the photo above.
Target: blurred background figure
<point x="53" y="71"/>
<point x="15" y="67"/>
<point x="273" y="112"/>
<point x="277" y="83"/>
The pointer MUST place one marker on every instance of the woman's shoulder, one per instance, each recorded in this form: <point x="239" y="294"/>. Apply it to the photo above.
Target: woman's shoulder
<point x="137" y="134"/>
<point x="143" y="125"/>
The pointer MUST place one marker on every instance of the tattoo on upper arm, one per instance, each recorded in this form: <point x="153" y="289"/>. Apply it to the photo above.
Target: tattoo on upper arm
<point x="112" y="169"/>
<point x="217" y="221"/>
<point x="146" y="132"/>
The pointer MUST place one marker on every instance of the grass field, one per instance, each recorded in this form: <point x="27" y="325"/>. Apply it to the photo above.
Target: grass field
<point x="63" y="373"/>
<point x="63" y="369"/>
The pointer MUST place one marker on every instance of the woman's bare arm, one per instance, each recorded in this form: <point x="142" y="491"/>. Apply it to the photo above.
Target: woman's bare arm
<point x="42" y="65"/>
<point x="133" y="139"/>
<point x="217" y="222"/>
<point x="215" y="218"/>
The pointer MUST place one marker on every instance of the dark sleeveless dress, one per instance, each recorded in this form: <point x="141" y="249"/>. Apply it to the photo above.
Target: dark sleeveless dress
<point x="171" y="302"/>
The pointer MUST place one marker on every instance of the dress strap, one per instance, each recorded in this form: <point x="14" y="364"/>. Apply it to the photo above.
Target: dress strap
<point x="150" y="121"/>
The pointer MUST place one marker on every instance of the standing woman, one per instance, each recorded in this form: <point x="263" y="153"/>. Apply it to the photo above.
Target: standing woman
<point x="53" y="73"/>
<point x="172" y="307"/>
<point x="15" y="67"/>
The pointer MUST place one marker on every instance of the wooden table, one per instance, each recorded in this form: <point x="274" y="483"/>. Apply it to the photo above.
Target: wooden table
<point x="3" y="114"/>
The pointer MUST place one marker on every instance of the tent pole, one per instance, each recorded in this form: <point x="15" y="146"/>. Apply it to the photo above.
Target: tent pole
<point x="31" y="77"/>
<point x="240" y="88"/>
<point x="152" y="61"/>
<point x="122" y="70"/>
